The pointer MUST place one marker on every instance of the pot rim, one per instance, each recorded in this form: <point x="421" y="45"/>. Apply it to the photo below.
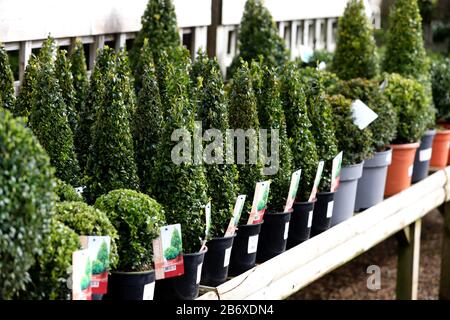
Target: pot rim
<point x="134" y="272"/>
<point x="354" y="165"/>
<point x="193" y="254"/>
<point x="401" y="146"/>
<point x="443" y="132"/>
<point x="325" y="193"/>
<point x="250" y="225"/>
<point x="305" y="202"/>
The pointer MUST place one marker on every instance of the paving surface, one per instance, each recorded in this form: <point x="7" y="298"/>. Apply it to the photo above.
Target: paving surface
<point x="350" y="280"/>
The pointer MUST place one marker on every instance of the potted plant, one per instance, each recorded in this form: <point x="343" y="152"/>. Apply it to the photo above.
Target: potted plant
<point x="137" y="219"/>
<point x="371" y="185"/>
<point x="406" y="55"/>
<point x="27" y="202"/>
<point x="356" y="145"/>
<point x="7" y="98"/>
<point x="409" y="100"/>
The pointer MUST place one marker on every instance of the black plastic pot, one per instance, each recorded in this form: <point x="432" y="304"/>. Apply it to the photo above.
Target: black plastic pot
<point x="184" y="287"/>
<point x="423" y="156"/>
<point x="273" y="236"/>
<point x="300" y="224"/>
<point x="323" y="211"/>
<point x="245" y="245"/>
<point x="217" y="260"/>
<point x="131" y="286"/>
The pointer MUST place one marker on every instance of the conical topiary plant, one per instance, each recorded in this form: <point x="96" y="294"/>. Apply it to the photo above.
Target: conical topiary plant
<point x="180" y="186"/>
<point x="302" y="142"/>
<point x="49" y="121"/>
<point x="321" y="117"/>
<point x="148" y="120"/>
<point x="24" y="100"/>
<point x="26" y="203"/>
<point x="258" y="36"/>
<point x="6" y="81"/>
<point x="243" y="115"/>
<point x="95" y="99"/>
<point x="355" y="55"/>
<point x="159" y="25"/>
<point x="212" y="111"/>
<point x="110" y="164"/>
<point x="354" y="142"/>
<point x="65" y="79"/>
<point x="126" y="81"/>
<point x="79" y="74"/>
<point x="271" y="116"/>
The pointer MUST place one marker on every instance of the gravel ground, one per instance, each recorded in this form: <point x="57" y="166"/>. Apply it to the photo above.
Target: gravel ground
<point x="350" y="280"/>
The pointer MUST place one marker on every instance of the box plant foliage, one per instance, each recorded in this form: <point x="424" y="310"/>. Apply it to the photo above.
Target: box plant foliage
<point x="137" y="219"/>
<point x="79" y="73"/>
<point x="440" y="76"/>
<point x="7" y="98"/>
<point x="26" y="203"/>
<point x="24" y="101"/>
<point x="65" y="192"/>
<point x="212" y="111"/>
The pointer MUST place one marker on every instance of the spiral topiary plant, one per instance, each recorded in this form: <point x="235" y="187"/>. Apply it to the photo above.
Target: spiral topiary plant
<point x="137" y="218"/>
<point x="7" y="98"/>
<point x="26" y="203"/>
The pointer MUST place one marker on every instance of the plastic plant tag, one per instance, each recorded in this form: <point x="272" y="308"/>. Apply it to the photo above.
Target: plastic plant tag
<point x="149" y="290"/>
<point x="81" y="275"/>
<point x="425" y="155"/>
<point x="259" y="202"/>
<point x="232" y="226"/>
<point x="312" y="196"/>
<point x="80" y="190"/>
<point x="295" y="180"/>
<point x="208" y="220"/>
<point x="306" y="53"/>
<point x="168" y="252"/>
<point x="362" y="114"/>
<point x="336" y="171"/>
<point x="383" y="85"/>
<point x="322" y="66"/>
<point x="99" y="248"/>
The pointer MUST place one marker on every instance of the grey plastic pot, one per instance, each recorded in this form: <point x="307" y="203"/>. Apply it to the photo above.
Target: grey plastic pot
<point x="370" y="189"/>
<point x="345" y="197"/>
<point x="423" y="156"/>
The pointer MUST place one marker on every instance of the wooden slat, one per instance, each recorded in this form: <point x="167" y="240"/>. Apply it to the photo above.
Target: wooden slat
<point x="24" y="56"/>
<point x="444" y="287"/>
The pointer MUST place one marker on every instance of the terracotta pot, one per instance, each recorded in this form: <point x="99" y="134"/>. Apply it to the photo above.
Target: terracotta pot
<point x="446" y="126"/>
<point x="400" y="171"/>
<point x="439" y="156"/>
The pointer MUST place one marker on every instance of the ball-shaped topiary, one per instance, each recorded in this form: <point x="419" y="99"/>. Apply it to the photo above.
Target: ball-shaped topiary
<point x="355" y="55"/>
<point x="26" y="203"/>
<point x="137" y="218"/>
<point x="7" y="98"/>
<point x="354" y="142"/>
<point x="88" y="221"/>
<point x="66" y="192"/>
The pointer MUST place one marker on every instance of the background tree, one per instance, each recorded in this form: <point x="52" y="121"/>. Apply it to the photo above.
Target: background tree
<point x="7" y="98"/>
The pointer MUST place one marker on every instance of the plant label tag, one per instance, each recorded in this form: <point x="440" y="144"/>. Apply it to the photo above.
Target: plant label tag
<point x="322" y="66"/>
<point x="80" y="190"/>
<point x="389" y="158"/>
<point x="286" y="230"/>
<point x="336" y="171"/>
<point x="330" y="207"/>
<point x="383" y="85"/>
<point x="149" y="290"/>
<point x="168" y="252"/>
<point x="232" y="226"/>
<point x="259" y="202"/>
<point x="208" y="220"/>
<point x="312" y="196"/>
<point x="425" y="155"/>
<point x="81" y="275"/>
<point x="199" y="273"/>
<point x="306" y="53"/>
<point x="252" y="244"/>
<point x="410" y="170"/>
<point x="295" y="180"/>
<point x="99" y="253"/>
<point x="362" y="114"/>
<point x="310" y="216"/>
<point x="226" y="260"/>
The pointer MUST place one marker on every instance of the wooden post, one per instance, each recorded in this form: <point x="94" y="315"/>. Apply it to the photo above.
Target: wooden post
<point x="99" y="43"/>
<point x="121" y="41"/>
<point x="24" y="56"/>
<point x="408" y="261"/>
<point x="444" y="287"/>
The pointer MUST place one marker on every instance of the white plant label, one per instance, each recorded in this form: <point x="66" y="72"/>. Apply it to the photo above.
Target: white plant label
<point x="286" y="231"/>
<point x="306" y="53"/>
<point x="362" y="114"/>
<point x="410" y="170"/>
<point x="389" y="158"/>
<point x="226" y="261"/>
<point x="252" y="244"/>
<point x="232" y="226"/>
<point x="322" y="66"/>
<point x="295" y="179"/>
<point x="310" y="216"/>
<point x="149" y="289"/>
<point x="330" y="209"/>
<point x="199" y="272"/>
<point x="383" y="85"/>
<point x="425" y="155"/>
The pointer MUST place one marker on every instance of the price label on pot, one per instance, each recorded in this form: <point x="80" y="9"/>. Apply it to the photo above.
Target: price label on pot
<point x="410" y="170"/>
<point x="199" y="272"/>
<point x="259" y="202"/>
<point x="310" y="216"/>
<point x="236" y="215"/>
<point x="252" y="244"/>
<point x="226" y="260"/>
<point x="149" y="290"/>
<point x="425" y="155"/>
<point x="168" y="252"/>
<point x="336" y="171"/>
<point x="295" y="180"/>
<point x="286" y="231"/>
<point x="389" y="158"/>
<point x="362" y="114"/>
<point x="312" y="196"/>
<point x="330" y="207"/>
